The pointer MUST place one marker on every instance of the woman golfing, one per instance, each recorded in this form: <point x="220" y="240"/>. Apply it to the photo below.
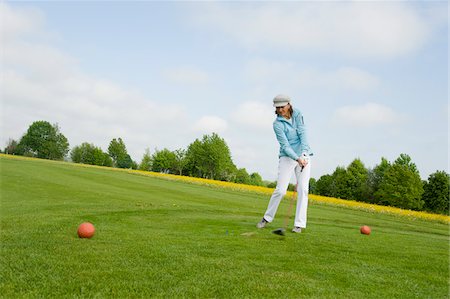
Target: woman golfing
<point x="294" y="157"/>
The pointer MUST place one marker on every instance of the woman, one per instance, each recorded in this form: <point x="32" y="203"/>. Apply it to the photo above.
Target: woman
<point x="294" y="157"/>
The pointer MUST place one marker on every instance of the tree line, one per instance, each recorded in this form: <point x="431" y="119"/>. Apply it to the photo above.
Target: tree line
<point x="208" y="157"/>
<point x="395" y="184"/>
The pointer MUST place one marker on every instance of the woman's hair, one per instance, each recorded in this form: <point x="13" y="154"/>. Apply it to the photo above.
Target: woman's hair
<point x="291" y="110"/>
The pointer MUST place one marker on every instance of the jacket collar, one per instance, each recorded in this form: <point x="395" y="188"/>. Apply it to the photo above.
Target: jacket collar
<point x="293" y="116"/>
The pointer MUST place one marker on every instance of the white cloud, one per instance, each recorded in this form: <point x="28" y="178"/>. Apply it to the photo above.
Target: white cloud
<point x="290" y="76"/>
<point x="254" y="114"/>
<point x="261" y="70"/>
<point x="343" y="78"/>
<point x="210" y="124"/>
<point x="379" y="29"/>
<point x="18" y="22"/>
<point x="367" y="115"/>
<point x="41" y="82"/>
<point x="42" y="62"/>
<point x="186" y="75"/>
<point x="353" y="78"/>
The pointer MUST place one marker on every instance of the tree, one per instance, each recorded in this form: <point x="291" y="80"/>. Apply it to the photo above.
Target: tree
<point x="436" y="192"/>
<point x="11" y="147"/>
<point x="107" y="161"/>
<point x="134" y="165"/>
<point x="146" y="162"/>
<point x="210" y="158"/>
<point x="126" y="162"/>
<point x="374" y="179"/>
<point x="357" y="180"/>
<point x="271" y="184"/>
<point x="341" y="187"/>
<point x="324" y="184"/>
<point x="78" y="153"/>
<point x="380" y="170"/>
<point x="405" y="160"/>
<point x="90" y="154"/>
<point x="312" y="186"/>
<point x="370" y="186"/>
<point x="164" y="161"/>
<point x="242" y="176"/>
<point x="401" y="185"/>
<point x="118" y="152"/>
<point x="256" y="179"/>
<point x="43" y="140"/>
<point x="194" y="158"/>
<point x="180" y="160"/>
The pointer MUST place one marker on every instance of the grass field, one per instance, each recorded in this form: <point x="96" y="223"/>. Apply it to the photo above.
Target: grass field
<point x="159" y="238"/>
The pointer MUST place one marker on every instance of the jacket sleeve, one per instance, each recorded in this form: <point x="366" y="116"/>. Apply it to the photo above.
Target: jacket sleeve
<point x="282" y="139"/>
<point x="301" y="131"/>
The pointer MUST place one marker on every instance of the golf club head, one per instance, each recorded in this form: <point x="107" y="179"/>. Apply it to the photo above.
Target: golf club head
<point x="280" y="232"/>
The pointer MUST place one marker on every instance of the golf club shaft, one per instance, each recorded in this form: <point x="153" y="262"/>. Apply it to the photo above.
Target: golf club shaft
<point x="291" y="204"/>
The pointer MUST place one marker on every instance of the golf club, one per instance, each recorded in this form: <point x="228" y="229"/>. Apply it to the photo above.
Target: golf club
<point x="282" y="231"/>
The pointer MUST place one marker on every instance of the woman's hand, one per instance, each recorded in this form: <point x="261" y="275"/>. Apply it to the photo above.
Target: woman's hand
<point x="303" y="162"/>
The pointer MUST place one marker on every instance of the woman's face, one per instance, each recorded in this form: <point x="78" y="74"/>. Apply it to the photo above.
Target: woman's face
<point x="283" y="111"/>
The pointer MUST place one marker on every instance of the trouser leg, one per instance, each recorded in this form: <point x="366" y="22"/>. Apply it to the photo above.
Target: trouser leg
<point x="303" y="177"/>
<point x="286" y="167"/>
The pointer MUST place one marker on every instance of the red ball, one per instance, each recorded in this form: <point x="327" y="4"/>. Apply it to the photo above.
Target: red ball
<point x="86" y="230"/>
<point x="365" y="230"/>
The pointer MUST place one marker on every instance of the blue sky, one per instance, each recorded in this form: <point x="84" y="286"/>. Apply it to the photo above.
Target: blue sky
<point x="371" y="78"/>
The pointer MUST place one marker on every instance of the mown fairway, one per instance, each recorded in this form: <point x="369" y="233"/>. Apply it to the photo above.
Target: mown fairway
<point x="159" y="238"/>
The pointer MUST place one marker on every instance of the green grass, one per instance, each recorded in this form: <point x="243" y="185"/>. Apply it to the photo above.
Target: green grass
<point x="158" y="238"/>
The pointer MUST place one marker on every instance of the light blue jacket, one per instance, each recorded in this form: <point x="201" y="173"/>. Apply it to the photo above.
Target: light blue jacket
<point x="292" y="136"/>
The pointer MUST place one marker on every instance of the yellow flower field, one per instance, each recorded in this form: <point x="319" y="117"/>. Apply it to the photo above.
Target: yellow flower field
<point x="268" y="191"/>
<point x="315" y="198"/>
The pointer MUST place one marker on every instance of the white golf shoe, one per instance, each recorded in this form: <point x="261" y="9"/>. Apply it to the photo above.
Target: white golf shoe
<point x="262" y="223"/>
<point x="297" y="229"/>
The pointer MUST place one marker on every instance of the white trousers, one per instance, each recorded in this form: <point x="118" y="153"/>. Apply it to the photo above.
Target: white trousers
<point x="287" y="166"/>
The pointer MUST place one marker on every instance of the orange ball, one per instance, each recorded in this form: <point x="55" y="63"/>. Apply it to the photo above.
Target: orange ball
<point x="86" y="230"/>
<point x="365" y="230"/>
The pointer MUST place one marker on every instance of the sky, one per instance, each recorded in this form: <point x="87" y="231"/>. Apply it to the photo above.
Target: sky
<point x="371" y="78"/>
